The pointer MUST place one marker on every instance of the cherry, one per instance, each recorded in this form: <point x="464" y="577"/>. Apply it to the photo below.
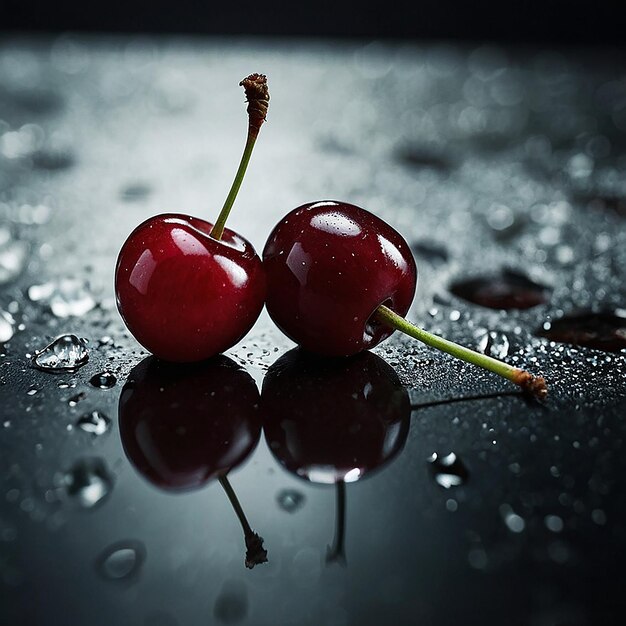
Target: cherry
<point x="188" y="289"/>
<point x="333" y="421"/>
<point x="329" y="266"/>
<point x="340" y="280"/>
<point x="184" y="425"/>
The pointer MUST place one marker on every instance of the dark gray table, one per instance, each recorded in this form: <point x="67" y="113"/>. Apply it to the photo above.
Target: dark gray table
<point x="486" y="159"/>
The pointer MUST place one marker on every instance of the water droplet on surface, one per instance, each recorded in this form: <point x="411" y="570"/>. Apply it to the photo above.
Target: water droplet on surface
<point x="135" y="192"/>
<point x="514" y="522"/>
<point x="89" y="482"/>
<point x="75" y="399"/>
<point x="7" y="326"/>
<point x="67" y="352"/>
<point x="103" y="380"/>
<point x="290" y="500"/>
<point x="66" y="298"/>
<point x="500" y="218"/>
<point x="508" y="290"/>
<point x="492" y="343"/>
<point x="121" y="561"/>
<point x="449" y="471"/>
<point x="553" y="523"/>
<point x="53" y="159"/>
<point x="95" y="423"/>
<point x="421" y="157"/>
<point x="602" y="331"/>
<point x="13" y="257"/>
<point x="430" y="251"/>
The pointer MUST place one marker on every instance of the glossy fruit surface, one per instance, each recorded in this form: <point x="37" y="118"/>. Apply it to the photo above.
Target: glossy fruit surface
<point x="333" y="420"/>
<point x="184" y="295"/>
<point x="183" y="425"/>
<point x="329" y="265"/>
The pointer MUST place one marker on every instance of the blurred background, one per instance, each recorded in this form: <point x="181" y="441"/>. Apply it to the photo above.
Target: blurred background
<point x="556" y="21"/>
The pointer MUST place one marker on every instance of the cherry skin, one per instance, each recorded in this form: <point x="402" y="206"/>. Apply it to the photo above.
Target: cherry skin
<point x="183" y="294"/>
<point x="329" y="266"/>
<point x="182" y="426"/>
<point x="334" y="420"/>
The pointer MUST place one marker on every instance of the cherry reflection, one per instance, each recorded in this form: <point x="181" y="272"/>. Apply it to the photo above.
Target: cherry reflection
<point x="333" y="421"/>
<point x="185" y="425"/>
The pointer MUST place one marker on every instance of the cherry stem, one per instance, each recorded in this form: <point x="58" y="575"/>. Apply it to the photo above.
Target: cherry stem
<point x="218" y="229"/>
<point x="255" y="553"/>
<point x="536" y="385"/>
<point x="258" y="98"/>
<point x="336" y="554"/>
<point x="232" y="496"/>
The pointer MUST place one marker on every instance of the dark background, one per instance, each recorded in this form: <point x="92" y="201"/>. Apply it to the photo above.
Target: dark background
<point x="559" y="21"/>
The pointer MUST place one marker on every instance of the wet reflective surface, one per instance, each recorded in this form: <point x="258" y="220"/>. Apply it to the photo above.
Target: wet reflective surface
<point x="183" y="425"/>
<point x="483" y="158"/>
<point x="603" y="331"/>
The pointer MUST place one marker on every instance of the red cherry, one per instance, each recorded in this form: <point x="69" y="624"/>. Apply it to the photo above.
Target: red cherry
<point x="182" y="426"/>
<point x="330" y="265"/>
<point x="188" y="289"/>
<point x="334" y="420"/>
<point x="183" y="294"/>
<point x="340" y="280"/>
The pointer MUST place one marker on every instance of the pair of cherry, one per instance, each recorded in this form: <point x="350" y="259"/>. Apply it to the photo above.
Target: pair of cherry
<point x="335" y="278"/>
<point x="325" y="420"/>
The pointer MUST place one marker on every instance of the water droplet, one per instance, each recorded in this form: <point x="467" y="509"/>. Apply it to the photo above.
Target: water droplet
<point x="135" y="192"/>
<point x="290" y="500"/>
<point x="89" y="482"/>
<point x="602" y="331"/>
<point x="477" y="558"/>
<point x="7" y="324"/>
<point x="514" y="522"/>
<point x="599" y="517"/>
<point x="66" y="297"/>
<point x="421" y="157"/>
<point x="452" y="505"/>
<point x="430" y="251"/>
<point x="121" y="561"/>
<point x="75" y="399"/>
<point x="67" y="352"/>
<point x="580" y="166"/>
<point x="508" y="290"/>
<point x="553" y="523"/>
<point x="500" y="217"/>
<point x="449" y="471"/>
<point x="54" y="159"/>
<point x="103" y="380"/>
<point x="95" y="423"/>
<point x="13" y="256"/>
<point x="492" y="343"/>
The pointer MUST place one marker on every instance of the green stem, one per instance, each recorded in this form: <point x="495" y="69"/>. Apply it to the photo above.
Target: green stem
<point x="528" y="382"/>
<point x="218" y="229"/>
